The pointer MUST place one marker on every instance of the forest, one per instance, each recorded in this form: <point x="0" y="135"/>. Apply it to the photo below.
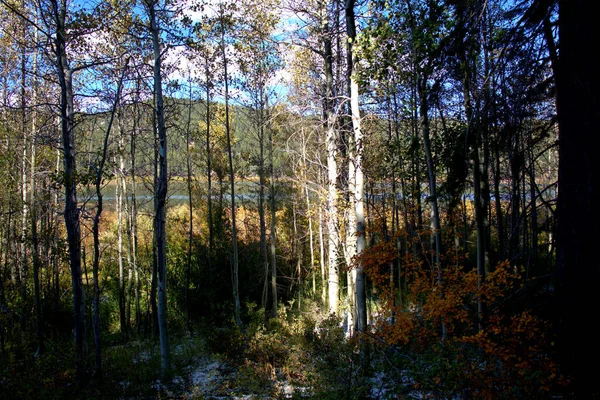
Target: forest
<point x="357" y="199"/>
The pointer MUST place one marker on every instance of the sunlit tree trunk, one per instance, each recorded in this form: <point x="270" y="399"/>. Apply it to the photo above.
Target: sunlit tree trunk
<point x="309" y="217"/>
<point x="322" y="256"/>
<point x="357" y="161"/>
<point x="331" y="141"/>
<point x="297" y="254"/>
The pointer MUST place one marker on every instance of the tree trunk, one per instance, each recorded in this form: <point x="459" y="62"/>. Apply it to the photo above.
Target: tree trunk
<point x="24" y="205"/>
<point x="332" y="168"/>
<point x="322" y="257"/>
<point x="435" y="215"/>
<point x="96" y="235"/>
<point x="211" y="239"/>
<point x="358" y="192"/>
<point x="71" y="212"/>
<point x="274" y="301"/>
<point x="578" y="196"/>
<point x="309" y="218"/>
<point x="261" y="200"/>
<point x="235" y="262"/>
<point x="160" y="192"/>
<point x="188" y="160"/>
<point x="39" y="323"/>
<point x="119" y="210"/>
<point x="133" y="215"/>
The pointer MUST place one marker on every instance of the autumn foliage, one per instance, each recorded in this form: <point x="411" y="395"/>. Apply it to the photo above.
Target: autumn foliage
<point x="435" y="340"/>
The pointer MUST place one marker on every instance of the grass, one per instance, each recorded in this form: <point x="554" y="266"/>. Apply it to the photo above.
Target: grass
<point x="130" y="370"/>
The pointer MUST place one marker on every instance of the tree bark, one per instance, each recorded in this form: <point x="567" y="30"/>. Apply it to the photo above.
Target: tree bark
<point x="211" y="240"/>
<point x="71" y="211"/>
<point x="274" y="301"/>
<point x="160" y="191"/>
<point x="188" y="160"/>
<point x="332" y="168"/>
<point x="261" y="199"/>
<point x="578" y="216"/>
<point x="235" y="261"/>
<point x="435" y="215"/>
<point x="358" y="193"/>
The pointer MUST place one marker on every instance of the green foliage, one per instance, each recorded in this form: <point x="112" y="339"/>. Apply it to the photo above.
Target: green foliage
<point x="303" y="352"/>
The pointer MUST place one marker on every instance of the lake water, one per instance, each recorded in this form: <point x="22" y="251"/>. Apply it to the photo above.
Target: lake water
<point x="177" y="193"/>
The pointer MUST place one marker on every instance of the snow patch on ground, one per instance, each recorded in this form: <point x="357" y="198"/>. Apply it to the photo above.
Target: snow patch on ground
<point x="206" y="375"/>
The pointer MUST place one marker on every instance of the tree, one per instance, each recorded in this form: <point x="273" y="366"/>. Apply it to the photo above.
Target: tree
<point x="329" y="120"/>
<point x="160" y="190"/>
<point x="98" y="180"/>
<point x="57" y="12"/>
<point x="259" y="60"/>
<point x="577" y="211"/>
<point x="360" y="230"/>
<point x="226" y="19"/>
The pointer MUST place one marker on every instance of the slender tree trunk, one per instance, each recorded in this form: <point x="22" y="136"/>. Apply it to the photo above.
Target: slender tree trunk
<point x="133" y="215"/>
<point x="274" y="301"/>
<point x="123" y="221"/>
<point x="24" y="205"/>
<point x="309" y="218"/>
<point x="96" y="235"/>
<point x="435" y="216"/>
<point x="235" y="277"/>
<point x="358" y="192"/>
<point x="261" y="200"/>
<point x="119" y="210"/>
<point x="71" y="213"/>
<point x="515" y="167"/>
<point x="498" y="202"/>
<point x="55" y="236"/>
<point x="534" y="214"/>
<point x="298" y="254"/>
<point x="476" y="135"/>
<point x="211" y="239"/>
<point x="332" y="168"/>
<point x="322" y="258"/>
<point x="188" y="160"/>
<point x="39" y="323"/>
<point x="160" y="192"/>
<point x="394" y="264"/>
<point x="130" y="268"/>
<point x="351" y="151"/>
<point x="351" y="236"/>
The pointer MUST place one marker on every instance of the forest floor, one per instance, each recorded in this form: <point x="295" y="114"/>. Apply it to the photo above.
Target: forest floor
<point x="294" y="356"/>
<point x="132" y="371"/>
<point x="214" y="366"/>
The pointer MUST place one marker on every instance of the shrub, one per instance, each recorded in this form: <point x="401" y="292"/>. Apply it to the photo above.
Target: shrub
<point x="436" y="343"/>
